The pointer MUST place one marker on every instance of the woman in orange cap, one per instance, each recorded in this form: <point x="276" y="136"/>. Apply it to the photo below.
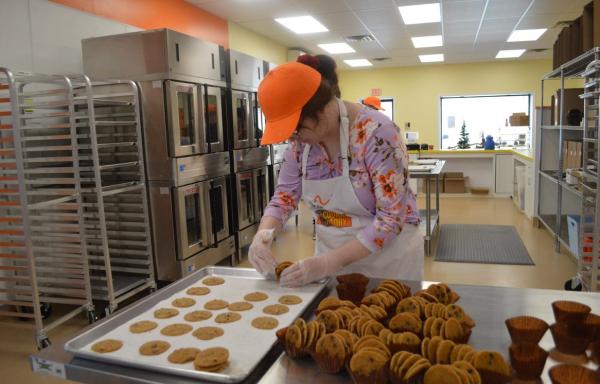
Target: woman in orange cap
<point x="373" y="102"/>
<point x="349" y="165"/>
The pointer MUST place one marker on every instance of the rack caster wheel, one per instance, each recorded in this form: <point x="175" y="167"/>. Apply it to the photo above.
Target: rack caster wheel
<point x="43" y="343"/>
<point x="92" y="317"/>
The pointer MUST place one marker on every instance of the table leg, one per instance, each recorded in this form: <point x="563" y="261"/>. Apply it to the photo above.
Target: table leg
<point x="428" y="216"/>
<point x="437" y="194"/>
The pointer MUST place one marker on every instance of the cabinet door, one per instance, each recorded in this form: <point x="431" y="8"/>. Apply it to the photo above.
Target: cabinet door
<point x="504" y="174"/>
<point x="194" y="57"/>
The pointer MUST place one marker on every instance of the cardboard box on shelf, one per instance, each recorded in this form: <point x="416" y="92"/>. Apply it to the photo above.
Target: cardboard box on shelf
<point x="454" y="182"/>
<point x="518" y="119"/>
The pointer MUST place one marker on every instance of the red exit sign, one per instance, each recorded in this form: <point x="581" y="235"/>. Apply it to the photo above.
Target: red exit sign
<point x="375" y="91"/>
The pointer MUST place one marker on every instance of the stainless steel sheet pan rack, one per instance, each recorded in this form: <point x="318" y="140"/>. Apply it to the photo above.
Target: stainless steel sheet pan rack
<point x="43" y="256"/>
<point x="115" y="208"/>
<point x="588" y="271"/>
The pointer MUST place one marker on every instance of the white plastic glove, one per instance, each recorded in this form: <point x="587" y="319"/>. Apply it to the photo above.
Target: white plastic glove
<point x="260" y="255"/>
<point x="308" y="270"/>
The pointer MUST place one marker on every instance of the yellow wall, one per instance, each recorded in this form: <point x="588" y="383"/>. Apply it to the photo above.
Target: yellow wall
<point x="251" y="43"/>
<point x="417" y="90"/>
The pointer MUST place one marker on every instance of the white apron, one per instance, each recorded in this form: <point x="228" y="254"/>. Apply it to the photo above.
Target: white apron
<point x="340" y="216"/>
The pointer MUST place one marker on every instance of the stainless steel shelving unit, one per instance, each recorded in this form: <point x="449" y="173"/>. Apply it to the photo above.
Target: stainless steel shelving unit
<point x="115" y="207"/>
<point x="556" y="198"/>
<point x="43" y="252"/>
<point x="588" y="271"/>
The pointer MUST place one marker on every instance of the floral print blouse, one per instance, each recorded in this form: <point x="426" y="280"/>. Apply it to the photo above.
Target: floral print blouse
<point x="378" y="169"/>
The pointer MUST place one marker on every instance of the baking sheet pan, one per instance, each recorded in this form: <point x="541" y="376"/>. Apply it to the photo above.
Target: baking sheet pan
<point x="246" y="344"/>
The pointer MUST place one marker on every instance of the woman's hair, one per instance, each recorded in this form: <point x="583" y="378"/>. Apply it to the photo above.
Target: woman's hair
<point x="326" y="67"/>
<point x="328" y="88"/>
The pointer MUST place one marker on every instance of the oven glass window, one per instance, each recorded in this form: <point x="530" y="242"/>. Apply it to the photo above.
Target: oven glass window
<point x="216" y="198"/>
<point x="245" y="199"/>
<point x="212" y="112"/>
<point x="192" y="218"/>
<point x="242" y="118"/>
<point x="185" y="104"/>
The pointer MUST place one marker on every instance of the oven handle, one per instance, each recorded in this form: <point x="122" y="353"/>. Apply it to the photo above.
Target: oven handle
<point x="213" y="206"/>
<point x="200" y="124"/>
<point x="207" y="213"/>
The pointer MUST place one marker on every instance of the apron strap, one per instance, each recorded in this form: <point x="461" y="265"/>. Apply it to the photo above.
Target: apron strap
<point x="344" y="137"/>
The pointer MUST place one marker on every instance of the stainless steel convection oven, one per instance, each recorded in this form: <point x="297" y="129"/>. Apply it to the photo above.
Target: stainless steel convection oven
<point x="251" y="163"/>
<point x="183" y="88"/>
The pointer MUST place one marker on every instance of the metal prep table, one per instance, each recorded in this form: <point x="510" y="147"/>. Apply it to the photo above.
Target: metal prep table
<point x="489" y="307"/>
<point x="432" y="218"/>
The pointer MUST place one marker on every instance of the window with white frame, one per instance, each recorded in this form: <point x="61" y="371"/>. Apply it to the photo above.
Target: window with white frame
<point x="482" y="116"/>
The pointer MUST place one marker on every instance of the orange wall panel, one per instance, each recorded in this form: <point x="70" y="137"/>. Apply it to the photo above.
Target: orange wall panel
<point x="152" y="14"/>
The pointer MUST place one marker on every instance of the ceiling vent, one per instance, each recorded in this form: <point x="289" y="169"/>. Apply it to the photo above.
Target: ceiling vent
<point x="359" y="38"/>
<point x="381" y="58"/>
<point x="539" y="49"/>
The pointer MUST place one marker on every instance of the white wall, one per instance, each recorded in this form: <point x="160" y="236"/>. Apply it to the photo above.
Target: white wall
<point x="44" y="37"/>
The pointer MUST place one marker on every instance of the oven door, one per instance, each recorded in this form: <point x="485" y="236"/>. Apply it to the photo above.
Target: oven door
<point x="243" y="134"/>
<point x="245" y="187"/>
<point x="219" y="209"/>
<point x="186" y="126"/>
<point x="214" y="119"/>
<point x="192" y="219"/>
<point x="261" y="176"/>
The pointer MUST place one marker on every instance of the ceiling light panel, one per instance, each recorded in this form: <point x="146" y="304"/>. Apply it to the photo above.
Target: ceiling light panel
<point x="526" y="35"/>
<point x="336" y="48"/>
<point x="358" y="63"/>
<point x="436" y="58"/>
<point x="421" y="14"/>
<point x="509" y="53"/>
<point x="302" y="24"/>
<point x="427" y="41"/>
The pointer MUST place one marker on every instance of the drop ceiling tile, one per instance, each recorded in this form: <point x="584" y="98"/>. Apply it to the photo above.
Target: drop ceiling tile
<point x="461" y="29"/>
<point x="380" y="18"/>
<point x="506" y="8"/>
<point x="558" y="6"/>
<point x="461" y="11"/>
<point x="542" y="20"/>
<point x="499" y="25"/>
<point x="320" y="6"/>
<point x="424" y="29"/>
<point x="338" y="20"/>
<point x="369" y="4"/>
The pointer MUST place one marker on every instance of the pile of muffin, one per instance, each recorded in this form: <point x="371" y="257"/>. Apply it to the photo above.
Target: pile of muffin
<point x="576" y="329"/>
<point x="393" y="336"/>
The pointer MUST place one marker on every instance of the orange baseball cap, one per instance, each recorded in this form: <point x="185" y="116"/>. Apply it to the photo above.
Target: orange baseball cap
<point x="374" y="102"/>
<point x="281" y="95"/>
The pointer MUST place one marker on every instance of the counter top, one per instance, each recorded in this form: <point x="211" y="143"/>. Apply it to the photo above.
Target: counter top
<point x="489" y="307"/>
<point x="525" y="154"/>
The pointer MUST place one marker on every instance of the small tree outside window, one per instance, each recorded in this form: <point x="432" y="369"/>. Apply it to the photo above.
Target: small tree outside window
<point x="463" y="141"/>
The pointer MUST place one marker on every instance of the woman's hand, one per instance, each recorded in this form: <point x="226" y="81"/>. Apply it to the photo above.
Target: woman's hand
<point x="317" y="267"/>
<point x="308" y="270"/>
<point x="260" y="255"/>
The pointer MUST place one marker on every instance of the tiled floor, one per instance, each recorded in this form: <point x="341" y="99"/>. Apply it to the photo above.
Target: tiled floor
<point x="550" y="271"/>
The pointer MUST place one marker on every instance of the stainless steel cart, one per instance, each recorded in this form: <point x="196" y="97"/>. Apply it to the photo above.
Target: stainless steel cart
<point x="43" y="256"/>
